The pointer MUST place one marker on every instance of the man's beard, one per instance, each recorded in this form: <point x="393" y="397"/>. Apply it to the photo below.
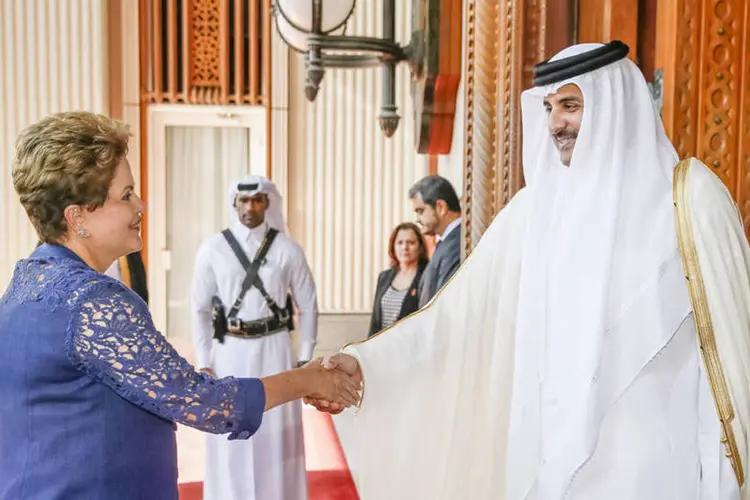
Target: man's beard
<point x="252" y="221"/>
<point x="566" y="137"/>
<point x="426" y="230"/>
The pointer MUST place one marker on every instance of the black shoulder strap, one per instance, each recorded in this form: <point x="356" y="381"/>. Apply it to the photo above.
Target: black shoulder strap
<point x="251" y="268"/>
<point x="237" y="249"/>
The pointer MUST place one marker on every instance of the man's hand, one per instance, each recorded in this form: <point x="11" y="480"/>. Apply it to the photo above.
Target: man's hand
<point x="334" y="386"/>
<point x="208" y="371"/>
<point x="343" y="363"/>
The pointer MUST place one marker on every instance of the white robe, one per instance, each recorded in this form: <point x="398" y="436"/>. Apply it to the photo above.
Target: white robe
<point x="271" y="464"/>
<point x="114" y="271"/>
<point x="438" y="399"/>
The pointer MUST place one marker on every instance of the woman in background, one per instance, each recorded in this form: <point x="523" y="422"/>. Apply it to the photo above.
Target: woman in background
<point x="397" y="293"/>
<point x="90" y="389"/>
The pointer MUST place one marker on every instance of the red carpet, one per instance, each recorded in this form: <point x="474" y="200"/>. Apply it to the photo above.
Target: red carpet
<point x="328" y="476"/>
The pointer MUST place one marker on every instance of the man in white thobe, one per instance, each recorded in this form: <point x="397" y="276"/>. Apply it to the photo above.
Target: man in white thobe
<point x="569" y="358"/>
<point x="271" y="464"/>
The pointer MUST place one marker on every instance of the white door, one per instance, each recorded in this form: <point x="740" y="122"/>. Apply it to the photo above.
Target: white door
<point x="195" y="153"/>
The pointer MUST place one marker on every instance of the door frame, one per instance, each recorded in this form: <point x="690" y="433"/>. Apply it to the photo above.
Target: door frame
<point x="160" y="117"/>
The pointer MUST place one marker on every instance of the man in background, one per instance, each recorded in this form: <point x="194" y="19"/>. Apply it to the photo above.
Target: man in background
<point x="438" y="212"/>
<point x="255" y="340"/>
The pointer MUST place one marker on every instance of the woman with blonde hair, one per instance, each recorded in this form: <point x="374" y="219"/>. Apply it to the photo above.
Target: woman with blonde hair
<point x="90" y="389"/>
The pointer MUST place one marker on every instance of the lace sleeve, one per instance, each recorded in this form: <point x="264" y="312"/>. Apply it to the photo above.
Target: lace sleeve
<point x="112" y="338"/>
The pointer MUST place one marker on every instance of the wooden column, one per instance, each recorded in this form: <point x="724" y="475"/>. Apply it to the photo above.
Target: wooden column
<point x="601" y="21"/>
<point x="504" y="40"/>
<point x="703" y="47"/>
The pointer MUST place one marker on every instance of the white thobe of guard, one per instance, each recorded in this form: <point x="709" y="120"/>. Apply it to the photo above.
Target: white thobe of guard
<point x="271" y="464"/>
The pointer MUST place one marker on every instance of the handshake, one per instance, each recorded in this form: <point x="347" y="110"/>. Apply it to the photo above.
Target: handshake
<point x="334" y="383"/>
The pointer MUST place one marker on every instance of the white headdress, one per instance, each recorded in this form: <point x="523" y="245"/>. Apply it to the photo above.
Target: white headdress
<point x="600" y="237"/>
<point x="253" y="185"/>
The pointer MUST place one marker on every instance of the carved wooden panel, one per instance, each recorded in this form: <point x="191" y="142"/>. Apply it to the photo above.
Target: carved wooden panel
<point x="743" y="196"/>
<point x="205" y="51"/>
<point x="720" y="92"/>
<point x="677" y="51"/>
<point x="206" y="46"/>
<point x="702" y="46"/>
<point x="481" y="94"/>
<point x="513" y="56"/>
<point x="534" y="33"/>
<point x="504" y="40"/>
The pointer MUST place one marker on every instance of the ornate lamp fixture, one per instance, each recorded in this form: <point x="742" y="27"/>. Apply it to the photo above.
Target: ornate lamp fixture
<point x="316" y="28"/>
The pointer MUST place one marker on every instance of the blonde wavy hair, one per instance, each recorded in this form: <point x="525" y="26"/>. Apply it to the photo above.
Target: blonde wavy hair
<point x="66" y="159"/>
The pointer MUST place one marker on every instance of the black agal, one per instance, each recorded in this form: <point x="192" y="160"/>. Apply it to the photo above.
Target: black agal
<point x="548" y="72"/>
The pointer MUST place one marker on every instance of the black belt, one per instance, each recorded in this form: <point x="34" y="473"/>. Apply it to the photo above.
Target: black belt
<point x="255" y="329"/>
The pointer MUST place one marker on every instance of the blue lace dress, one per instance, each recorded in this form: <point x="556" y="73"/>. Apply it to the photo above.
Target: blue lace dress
<point x="90" y="391"/>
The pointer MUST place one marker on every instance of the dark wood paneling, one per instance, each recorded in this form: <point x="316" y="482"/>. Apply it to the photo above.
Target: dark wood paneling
<point x="647" y="37"/>
<point x="601" y="21"/>
<point x="703" y="47"/>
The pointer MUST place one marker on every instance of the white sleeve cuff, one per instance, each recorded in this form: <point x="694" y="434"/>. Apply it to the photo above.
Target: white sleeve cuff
<point x="306" y="350"/>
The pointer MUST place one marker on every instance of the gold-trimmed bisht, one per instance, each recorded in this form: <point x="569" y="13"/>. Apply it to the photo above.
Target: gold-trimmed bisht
<point x="702" y="317"/>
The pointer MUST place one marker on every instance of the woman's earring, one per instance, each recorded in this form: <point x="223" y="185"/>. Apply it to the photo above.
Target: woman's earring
<point x="82" y="233"/>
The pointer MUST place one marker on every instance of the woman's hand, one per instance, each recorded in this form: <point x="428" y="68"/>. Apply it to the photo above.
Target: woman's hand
<point x="342" y="363"/>
<point x="329" y="384"/>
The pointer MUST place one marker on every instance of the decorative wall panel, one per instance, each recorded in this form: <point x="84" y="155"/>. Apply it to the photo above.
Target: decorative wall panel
<point x="702" y="46"/>
<point x="743" y="194"/>
<point x="204" y="51"/>
<point x="52" y="59"/>
<point x="483" y="75"/>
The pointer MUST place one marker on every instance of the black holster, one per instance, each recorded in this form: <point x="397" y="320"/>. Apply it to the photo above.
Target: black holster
<point x="219" y="319"/>
<point x="290" y="312"/>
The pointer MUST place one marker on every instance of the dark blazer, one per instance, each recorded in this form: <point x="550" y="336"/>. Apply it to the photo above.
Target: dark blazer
<point x="138" y="282"/>
<point x="442" y="266"/>
<point x="409" y="305"/>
